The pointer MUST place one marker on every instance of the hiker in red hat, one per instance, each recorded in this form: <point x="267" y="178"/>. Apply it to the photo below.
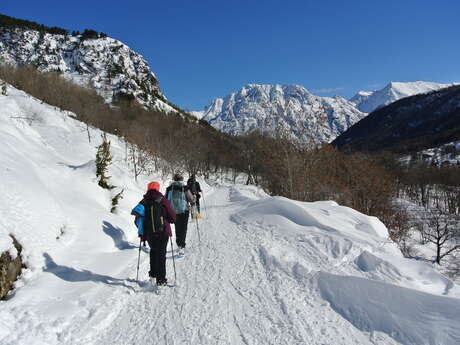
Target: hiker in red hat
<point x="154" y="215"/>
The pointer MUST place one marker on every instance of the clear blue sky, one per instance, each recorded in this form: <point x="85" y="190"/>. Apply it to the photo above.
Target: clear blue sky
<point x="200" y="50"/>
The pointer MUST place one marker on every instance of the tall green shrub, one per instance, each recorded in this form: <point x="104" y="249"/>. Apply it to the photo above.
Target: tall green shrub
<point x="103" y="160"/>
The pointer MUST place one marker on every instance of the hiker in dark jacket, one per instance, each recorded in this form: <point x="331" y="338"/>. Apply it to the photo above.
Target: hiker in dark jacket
<point x="180" y="198"/>
<point x="157" y="240"/>
<point x="194" y="186"/>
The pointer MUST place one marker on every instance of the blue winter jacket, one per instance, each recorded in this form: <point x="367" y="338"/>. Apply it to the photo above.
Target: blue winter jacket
<point x="139" y="212"/>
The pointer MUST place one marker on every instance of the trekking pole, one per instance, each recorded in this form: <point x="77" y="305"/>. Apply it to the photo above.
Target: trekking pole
<point x="204" y="205"/>
<point x="138" y="260"/>
<point x="174" y="262"/>
<point x="198" y="230"/>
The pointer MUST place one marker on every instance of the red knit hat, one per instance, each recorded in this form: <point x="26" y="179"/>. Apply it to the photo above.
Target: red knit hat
<point x="153" y="185"/>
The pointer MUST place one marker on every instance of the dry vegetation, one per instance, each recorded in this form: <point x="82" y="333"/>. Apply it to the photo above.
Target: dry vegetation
<point x="171" y="142"/>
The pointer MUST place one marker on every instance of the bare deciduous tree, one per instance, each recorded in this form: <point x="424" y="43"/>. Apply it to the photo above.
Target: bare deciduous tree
<point x="442" y="229"/>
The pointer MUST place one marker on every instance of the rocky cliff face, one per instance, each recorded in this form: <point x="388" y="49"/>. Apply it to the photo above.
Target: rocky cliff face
<point x="289" y="108"/>
<point x="104" y="63"/>
<point x="10" y="268"/>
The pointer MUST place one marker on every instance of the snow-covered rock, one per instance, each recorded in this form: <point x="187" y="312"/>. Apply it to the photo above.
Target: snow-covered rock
<point x="291" y="108"/>
<point x="368" y="101"/>
<point x="104" y="63"/>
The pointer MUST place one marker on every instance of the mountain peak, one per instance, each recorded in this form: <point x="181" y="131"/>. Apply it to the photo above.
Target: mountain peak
<point x="368" y="101"/>
<point x="106" y="64"/>
<point x="270" y="107"/>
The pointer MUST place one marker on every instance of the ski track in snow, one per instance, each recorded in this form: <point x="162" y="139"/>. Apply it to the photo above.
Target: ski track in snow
<point x="244" y="283"/>
<point x="226" y="293"/>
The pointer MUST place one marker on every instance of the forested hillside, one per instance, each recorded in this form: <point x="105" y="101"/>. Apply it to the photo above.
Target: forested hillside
<point x="408" y="125"/>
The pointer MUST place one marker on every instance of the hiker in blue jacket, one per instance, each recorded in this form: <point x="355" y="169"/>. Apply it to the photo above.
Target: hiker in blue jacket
<point x="180" y="198"/>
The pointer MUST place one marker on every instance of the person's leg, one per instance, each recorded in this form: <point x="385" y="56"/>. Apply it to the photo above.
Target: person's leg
<point x="162" y="245"/>
<point x="181" y="228"/>
<point x="152" y="272"/>
<point x="185" y="226"/>
<point x="198" y="205"/>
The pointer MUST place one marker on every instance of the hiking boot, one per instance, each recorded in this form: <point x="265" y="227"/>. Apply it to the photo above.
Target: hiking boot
<point x="181" y="251"/>
<point x="162" y="282"/>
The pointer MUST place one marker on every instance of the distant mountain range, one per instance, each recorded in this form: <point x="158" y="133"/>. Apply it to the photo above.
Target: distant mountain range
<point x="275" y="108"/>
<point x="411" y="124"/>
<point x="294" y="109"/>
<point x="117" y="72"/>
<point x="368" y="101"/>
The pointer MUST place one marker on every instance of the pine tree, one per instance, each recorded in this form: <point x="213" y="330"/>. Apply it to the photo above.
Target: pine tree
<point x="103" y="160"/>
<point x="115" y="201"/>
<point x="3" y="88"/>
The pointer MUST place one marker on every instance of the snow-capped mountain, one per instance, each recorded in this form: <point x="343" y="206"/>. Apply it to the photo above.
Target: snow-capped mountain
<point x="292" y="108"/>
<point x="368" y="101"/>
<point x="104" y="63"/>
<point x="410" y="124"/>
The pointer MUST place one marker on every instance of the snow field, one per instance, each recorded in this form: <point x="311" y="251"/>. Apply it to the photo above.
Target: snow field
<point x="268" y="270"/>
<point x="51" y="203"/>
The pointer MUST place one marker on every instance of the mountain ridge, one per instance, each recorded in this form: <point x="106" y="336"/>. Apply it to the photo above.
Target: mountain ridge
<point x="413" y="123"/>
<point x="274" y="107"/>
<point x="368" y="101"/>
<point x="106" y="64"/>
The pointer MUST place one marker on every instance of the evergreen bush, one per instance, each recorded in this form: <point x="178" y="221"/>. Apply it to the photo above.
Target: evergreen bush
<point x="3" y="88"/>
<point x="103" y="160"/>
<point x="115" y="201"/>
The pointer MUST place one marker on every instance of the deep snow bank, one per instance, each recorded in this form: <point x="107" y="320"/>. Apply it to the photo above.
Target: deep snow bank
<point x="410" y="317"/>
<point x="346" y="259"/>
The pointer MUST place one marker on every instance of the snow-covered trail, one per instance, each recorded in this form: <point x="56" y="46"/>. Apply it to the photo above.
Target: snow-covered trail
<point x="250" y="280"/>
<point x="268" y="270"/>
<point x="226" y="293"/>
<point x="208" y="305"/>
<point x="194" y="311"/>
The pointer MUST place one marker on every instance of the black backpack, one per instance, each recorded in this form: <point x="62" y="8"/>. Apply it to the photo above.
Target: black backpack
<point x="154" y="217"/>
<point x="192" y="186"/>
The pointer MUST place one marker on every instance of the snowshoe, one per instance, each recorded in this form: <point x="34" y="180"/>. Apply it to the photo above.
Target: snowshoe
<point x="160" y="285"/>
<point x="148" y="285"/>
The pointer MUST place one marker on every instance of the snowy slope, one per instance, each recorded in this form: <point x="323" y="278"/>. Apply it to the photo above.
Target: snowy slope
<point x="106" y="64"/>
<point x="50" y="201"/>
<point x="268" y="270"/>
<point x="198" y="114"/>
<point x="292" y="108"/>
<point x="368" y="101"/>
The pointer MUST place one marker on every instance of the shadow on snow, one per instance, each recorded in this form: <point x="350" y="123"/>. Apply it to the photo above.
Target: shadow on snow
<point x="73" y="275"/>
<point x="117" y="236"/>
